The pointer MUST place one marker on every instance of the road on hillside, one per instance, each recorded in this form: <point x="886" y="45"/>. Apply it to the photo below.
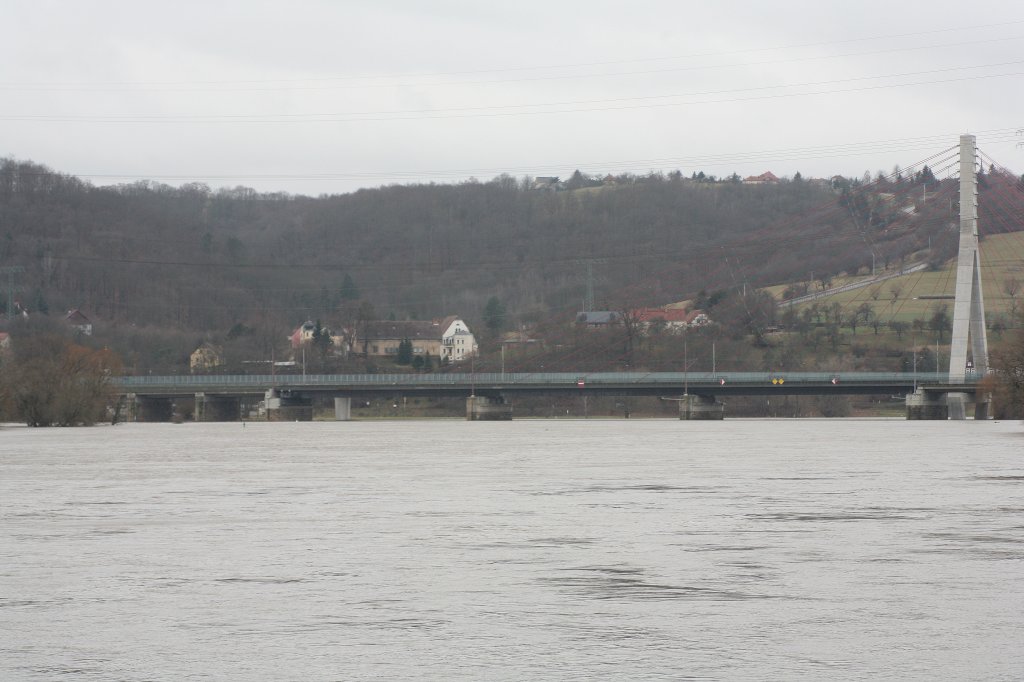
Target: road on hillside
<point x="917" y="267"/>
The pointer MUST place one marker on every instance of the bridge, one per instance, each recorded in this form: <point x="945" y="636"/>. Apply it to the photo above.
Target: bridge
<point x="492" y="395"/>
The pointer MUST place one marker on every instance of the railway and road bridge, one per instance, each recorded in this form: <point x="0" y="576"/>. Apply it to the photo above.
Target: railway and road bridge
<point x="493" y="395"/>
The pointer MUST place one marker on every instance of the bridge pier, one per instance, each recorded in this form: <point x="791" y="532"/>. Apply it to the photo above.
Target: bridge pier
<point x="287" y="406"/>
<point x="217" y="408"/>
<point x="960" y="405"/>
<point x="936" y="405"/>
<point x="701" y="407"/>
<point x="343" y="409"/>
<point x="145" y="408"/>
<point x="923" y="404"/>
<point x="484" y="408"/>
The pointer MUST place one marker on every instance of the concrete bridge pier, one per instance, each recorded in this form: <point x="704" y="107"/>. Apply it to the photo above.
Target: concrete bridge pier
<point x="145" y="408"/>
<point x="484" y="408"/>
<point x="288" y="406"/>
<point x="922" y="404"/>
<point x="343" y="409"/>
<point x="960" y="405"/>
<point x="217" y="408"/>
<point x="957" y="403"/>
<point x="701" y="407"/>
<point x="982" y="406"/>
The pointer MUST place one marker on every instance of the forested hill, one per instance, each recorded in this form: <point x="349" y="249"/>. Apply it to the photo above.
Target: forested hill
<point x="203" y="261"/>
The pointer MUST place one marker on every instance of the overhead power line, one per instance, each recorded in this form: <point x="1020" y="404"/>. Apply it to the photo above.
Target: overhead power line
<point x="513" y="69"/>
<point x="542" y="108"/>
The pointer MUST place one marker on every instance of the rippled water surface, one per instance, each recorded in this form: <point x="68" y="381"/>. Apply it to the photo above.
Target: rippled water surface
<point x="539" y="550"/>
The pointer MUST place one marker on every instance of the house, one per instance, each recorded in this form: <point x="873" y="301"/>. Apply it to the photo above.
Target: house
<point x="547" y="183"/>
<point x="597" y="318"/>
<point x="519" y="339"/>
<point x="77" y="319"/>
<point x="766" y="178"/>
<point x="205" y="358"/>
<point x="447" y="339"/>
<point x="673" y="318"/>
<point x="302" y="335"/>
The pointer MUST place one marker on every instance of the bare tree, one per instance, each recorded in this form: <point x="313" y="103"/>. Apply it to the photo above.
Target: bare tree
<point x="53" y="382"/>
<point x="1011" y="287"/>
<point x="895" y="289"/>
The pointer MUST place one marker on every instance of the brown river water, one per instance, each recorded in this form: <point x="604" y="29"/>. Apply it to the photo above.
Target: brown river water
<point x="527" y="550"/>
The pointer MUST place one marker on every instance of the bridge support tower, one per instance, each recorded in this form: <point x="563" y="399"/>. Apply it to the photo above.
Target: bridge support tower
<point x="969" y="304"/>
<point x="701" y="407"/>
<point x="485" y="408"/>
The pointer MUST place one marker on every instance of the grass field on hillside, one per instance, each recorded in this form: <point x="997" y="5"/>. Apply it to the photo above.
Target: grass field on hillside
<point x="1002" y="258"/>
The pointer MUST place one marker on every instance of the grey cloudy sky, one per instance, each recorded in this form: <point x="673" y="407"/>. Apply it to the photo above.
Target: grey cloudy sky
<point x="324" y="97"/>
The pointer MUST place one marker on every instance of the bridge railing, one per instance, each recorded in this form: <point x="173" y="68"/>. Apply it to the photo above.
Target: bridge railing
<point x="525" y="379"/>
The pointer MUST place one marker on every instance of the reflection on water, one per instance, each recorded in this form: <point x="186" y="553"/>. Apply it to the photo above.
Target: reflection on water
<point x="525" y="550"/>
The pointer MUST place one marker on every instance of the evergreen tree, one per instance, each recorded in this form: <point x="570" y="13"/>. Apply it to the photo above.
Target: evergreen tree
<point x="494" y="314"/>
<point x="321" y="338"/>
<point x="349" y="291"/>
<point x="404" y="352"/>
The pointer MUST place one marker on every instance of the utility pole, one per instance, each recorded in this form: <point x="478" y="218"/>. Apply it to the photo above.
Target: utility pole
<point x="686" y="365"/>
<point x="11" y="271"/>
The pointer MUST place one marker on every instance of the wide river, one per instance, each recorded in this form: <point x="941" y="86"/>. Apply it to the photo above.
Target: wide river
<point x="527" y="550"/>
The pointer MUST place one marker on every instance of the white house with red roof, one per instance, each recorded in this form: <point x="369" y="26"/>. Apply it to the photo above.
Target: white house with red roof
<point x="766" y="178"/>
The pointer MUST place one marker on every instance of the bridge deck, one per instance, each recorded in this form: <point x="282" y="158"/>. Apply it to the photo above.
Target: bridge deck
<point x="619" y="383"/>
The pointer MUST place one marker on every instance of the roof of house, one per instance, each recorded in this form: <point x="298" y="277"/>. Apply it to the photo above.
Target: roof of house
<point x="407" y="329"/>
<point x="767" y="176"/>
<point x="597" y="317"/>
<point x="76" y="316"/>
<point x="518" y="337"/>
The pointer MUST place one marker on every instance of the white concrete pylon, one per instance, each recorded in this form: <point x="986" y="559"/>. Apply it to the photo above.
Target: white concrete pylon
<point x="969" y="306"/>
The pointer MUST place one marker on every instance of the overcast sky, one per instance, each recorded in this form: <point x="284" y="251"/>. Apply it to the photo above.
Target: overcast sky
<point x="327" y="97"/>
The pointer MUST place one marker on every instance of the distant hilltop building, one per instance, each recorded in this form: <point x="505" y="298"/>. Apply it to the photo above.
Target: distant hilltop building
<point x="547" y="183"/>
<point x="766" y="178"/>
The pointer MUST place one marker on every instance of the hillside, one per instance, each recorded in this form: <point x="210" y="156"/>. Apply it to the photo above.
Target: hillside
<point x="916" y="296"/>
<point x="158" y="268"/>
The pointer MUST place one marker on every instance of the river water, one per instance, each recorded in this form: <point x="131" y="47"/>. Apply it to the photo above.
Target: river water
<point x="530" y="550"/>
